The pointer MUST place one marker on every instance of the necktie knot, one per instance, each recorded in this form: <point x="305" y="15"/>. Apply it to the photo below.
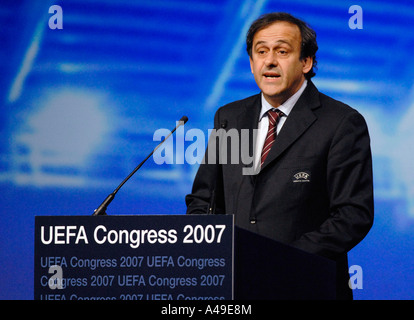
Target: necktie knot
<point x="274" y="116"/>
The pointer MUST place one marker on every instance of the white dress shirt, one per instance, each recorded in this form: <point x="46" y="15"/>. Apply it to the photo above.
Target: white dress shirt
<point x="263" y="125"/>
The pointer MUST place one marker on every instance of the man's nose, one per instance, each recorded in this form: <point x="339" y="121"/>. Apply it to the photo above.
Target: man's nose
<point x="271" y="59"/>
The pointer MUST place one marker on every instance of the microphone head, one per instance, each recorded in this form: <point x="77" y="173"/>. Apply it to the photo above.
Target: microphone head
<point x="184" y="119"/>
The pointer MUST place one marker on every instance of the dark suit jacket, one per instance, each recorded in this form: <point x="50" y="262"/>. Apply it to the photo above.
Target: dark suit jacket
<point x="315" y="189"/>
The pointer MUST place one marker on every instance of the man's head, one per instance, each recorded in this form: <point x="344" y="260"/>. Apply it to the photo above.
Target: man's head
<point x="282" y="53"/>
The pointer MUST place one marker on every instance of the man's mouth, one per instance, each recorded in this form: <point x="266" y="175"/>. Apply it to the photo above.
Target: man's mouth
<point x="271" y="75"/>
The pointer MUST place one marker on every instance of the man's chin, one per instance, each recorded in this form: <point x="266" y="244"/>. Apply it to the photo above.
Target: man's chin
<point x="275" y="98"/>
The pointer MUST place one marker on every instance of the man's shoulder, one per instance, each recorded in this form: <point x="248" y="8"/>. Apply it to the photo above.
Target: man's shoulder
<point x="334" y="107"/>
<point x="240" y="105"/>
<point x="334" y="112"/>
<point x="333" y="103"/>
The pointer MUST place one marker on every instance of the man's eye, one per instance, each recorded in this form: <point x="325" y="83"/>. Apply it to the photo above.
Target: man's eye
<point x="283" y="52"/>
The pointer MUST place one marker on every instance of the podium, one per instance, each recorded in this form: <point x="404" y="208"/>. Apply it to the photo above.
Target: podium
<point x="170" y="257"/>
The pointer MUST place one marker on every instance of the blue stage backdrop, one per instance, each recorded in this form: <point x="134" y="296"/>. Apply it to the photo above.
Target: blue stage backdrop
<point x="83" y="90"/>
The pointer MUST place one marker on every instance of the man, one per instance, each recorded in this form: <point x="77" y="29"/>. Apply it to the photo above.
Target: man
<point x="313" y="185"/>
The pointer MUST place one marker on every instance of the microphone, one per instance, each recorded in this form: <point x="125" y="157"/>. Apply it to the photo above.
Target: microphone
<point x="211" y="209"/>
<point x="101" y="210"/>
<point x="212" y="205"/>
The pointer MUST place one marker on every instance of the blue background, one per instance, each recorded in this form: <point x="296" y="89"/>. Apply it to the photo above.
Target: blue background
<point x="79" y="107"/>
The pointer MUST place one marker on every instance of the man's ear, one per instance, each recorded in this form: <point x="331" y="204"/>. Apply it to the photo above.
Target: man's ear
<point x="251" y="64"/>
<point x="307" y="64"/>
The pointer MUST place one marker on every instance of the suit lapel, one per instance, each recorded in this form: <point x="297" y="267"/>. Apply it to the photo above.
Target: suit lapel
<point x="299" y="120"/>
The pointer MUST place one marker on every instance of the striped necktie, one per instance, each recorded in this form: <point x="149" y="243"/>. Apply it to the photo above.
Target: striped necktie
<point x="274" y="116"/>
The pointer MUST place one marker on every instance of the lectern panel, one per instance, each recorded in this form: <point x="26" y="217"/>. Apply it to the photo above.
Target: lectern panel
<point x="148" y="257"/>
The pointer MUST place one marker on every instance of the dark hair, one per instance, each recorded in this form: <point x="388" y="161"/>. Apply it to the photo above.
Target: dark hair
<point x="309" y="45"/>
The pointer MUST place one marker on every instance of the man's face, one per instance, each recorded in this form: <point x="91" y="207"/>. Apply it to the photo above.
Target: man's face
<point x="275" y="62"/>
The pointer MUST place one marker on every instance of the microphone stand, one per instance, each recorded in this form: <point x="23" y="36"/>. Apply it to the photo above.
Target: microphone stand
<point x="101" y="210"/>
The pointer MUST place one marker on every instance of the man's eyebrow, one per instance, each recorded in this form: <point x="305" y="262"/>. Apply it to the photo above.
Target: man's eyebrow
<point x="281" y="41"/>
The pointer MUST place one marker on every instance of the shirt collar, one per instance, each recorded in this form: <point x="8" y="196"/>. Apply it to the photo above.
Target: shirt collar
<point x="287" y="106"/>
